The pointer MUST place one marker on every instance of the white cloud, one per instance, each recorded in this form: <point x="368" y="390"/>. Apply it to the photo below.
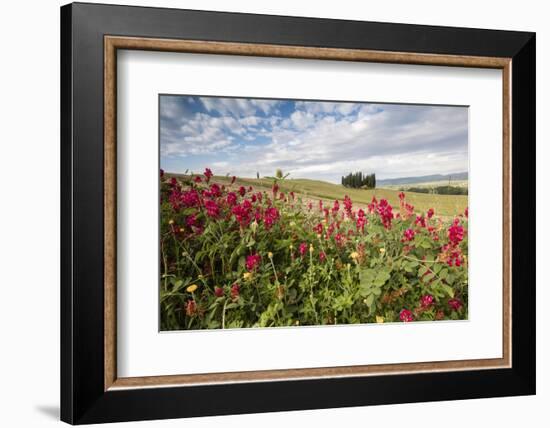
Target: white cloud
<point x="318" y="139"/>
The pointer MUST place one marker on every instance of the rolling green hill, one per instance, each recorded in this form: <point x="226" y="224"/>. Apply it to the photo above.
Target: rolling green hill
<point x="444" y="205"/>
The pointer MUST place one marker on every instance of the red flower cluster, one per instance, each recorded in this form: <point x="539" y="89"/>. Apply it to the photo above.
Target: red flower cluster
<point x="208" y="174"/>
<point x="271" y="215"/>
<point x="361" y="220"/>
<point x="385" y="211"/>
<point x="420" y="221"/>
<point x="455" y="304"/>
<point x="426" y="301"/>
<point x="406" y="316"/>
<point x="408" y="235"/>
<point x="243" y="213"/>
<point x="231" y="199"/>
<point x="212" y="208"/>
<point x="451" y="252"/>
<point x="456" y="232"/>
<point x="235" y="291"/>
<point x="253" y="261"/>
<point x="347" y="204"/>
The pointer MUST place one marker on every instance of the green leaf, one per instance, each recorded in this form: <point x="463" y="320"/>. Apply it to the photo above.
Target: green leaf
<point x="448" y="289"/>
<point x="369" y="300"/>
<point x="381" y="277"/>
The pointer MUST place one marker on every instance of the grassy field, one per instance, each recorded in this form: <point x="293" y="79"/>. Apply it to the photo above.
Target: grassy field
<point x="428" y="185"/>
<point x="445" y="205"/>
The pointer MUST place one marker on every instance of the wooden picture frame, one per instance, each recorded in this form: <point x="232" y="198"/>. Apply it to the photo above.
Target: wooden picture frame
<point x="91" y="390"/>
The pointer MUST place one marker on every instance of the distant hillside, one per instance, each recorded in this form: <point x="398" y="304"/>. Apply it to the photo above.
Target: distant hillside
<point x="459" y="176"/>
<point x="446" y="205"/>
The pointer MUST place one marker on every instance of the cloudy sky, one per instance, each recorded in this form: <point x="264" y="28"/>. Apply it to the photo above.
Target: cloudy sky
<point x="310" y="139"/>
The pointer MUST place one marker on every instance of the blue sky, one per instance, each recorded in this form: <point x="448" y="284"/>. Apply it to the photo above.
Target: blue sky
<point x="310" y="139"/>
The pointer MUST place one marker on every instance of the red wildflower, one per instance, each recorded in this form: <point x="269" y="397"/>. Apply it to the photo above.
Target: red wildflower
<point x="191" y="308"/>
<point x="455" y="304"/>
<point x="233" y="179"/>
<point x="409" y="210"/>
<point x="420" y="221"/>
<point x="466" y="212"/>
<point x="235" y="291"/>
<point x="271" y="215"/>
<point x="242" y="212"/>
<point x="161" y="173"/>
<point x="303" y="248"/>
<point x="197" y="179"/>
<point x="208" y="174"/>
<point x="275" y="188"/>
<point x="385" y="212"/>
<point x="401" y="196"/>
<point x="406" y="316"/>
<point x="408" y="235"/>
<point x="242" y="191"/>
<point x="361" y="222"/>
<point x="430" y="213"/>
<point x="426" y="300"/>
<point x="322" y="256"/>
<point x="253" y="261"/>
<point x="347" y="204"/>
<point x="455" y="232"/>
<point x="215" y="190"/>
<point x="212" y="208"/>
<point x="452" y="255"/>
<point x="218" y="291"/>
<point x="190" y="198"/>
<point x="231" y="199"/>
<point x="318" y="229"/>
<point x="335" y="207"/>
<point x="191" y="220"/>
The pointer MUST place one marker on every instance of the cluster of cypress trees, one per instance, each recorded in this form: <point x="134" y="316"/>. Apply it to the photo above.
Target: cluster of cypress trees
<point x="357" y="180"/>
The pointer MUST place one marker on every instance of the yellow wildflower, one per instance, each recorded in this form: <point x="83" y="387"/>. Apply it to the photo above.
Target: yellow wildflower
<point x="291" y="247"/>
<point x="379" y="319"/>
<point x="354" y="255"/>
<point x="311" y="248"/>
<point x="170" y="221"/>
<point x="247" y="276"/>
<point x="382" y="250"/>
<point x="192" y="288"/>
<point x="270" y="255"/>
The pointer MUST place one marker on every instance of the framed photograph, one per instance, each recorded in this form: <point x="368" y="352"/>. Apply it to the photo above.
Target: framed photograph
<point x="266" y="213"/>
